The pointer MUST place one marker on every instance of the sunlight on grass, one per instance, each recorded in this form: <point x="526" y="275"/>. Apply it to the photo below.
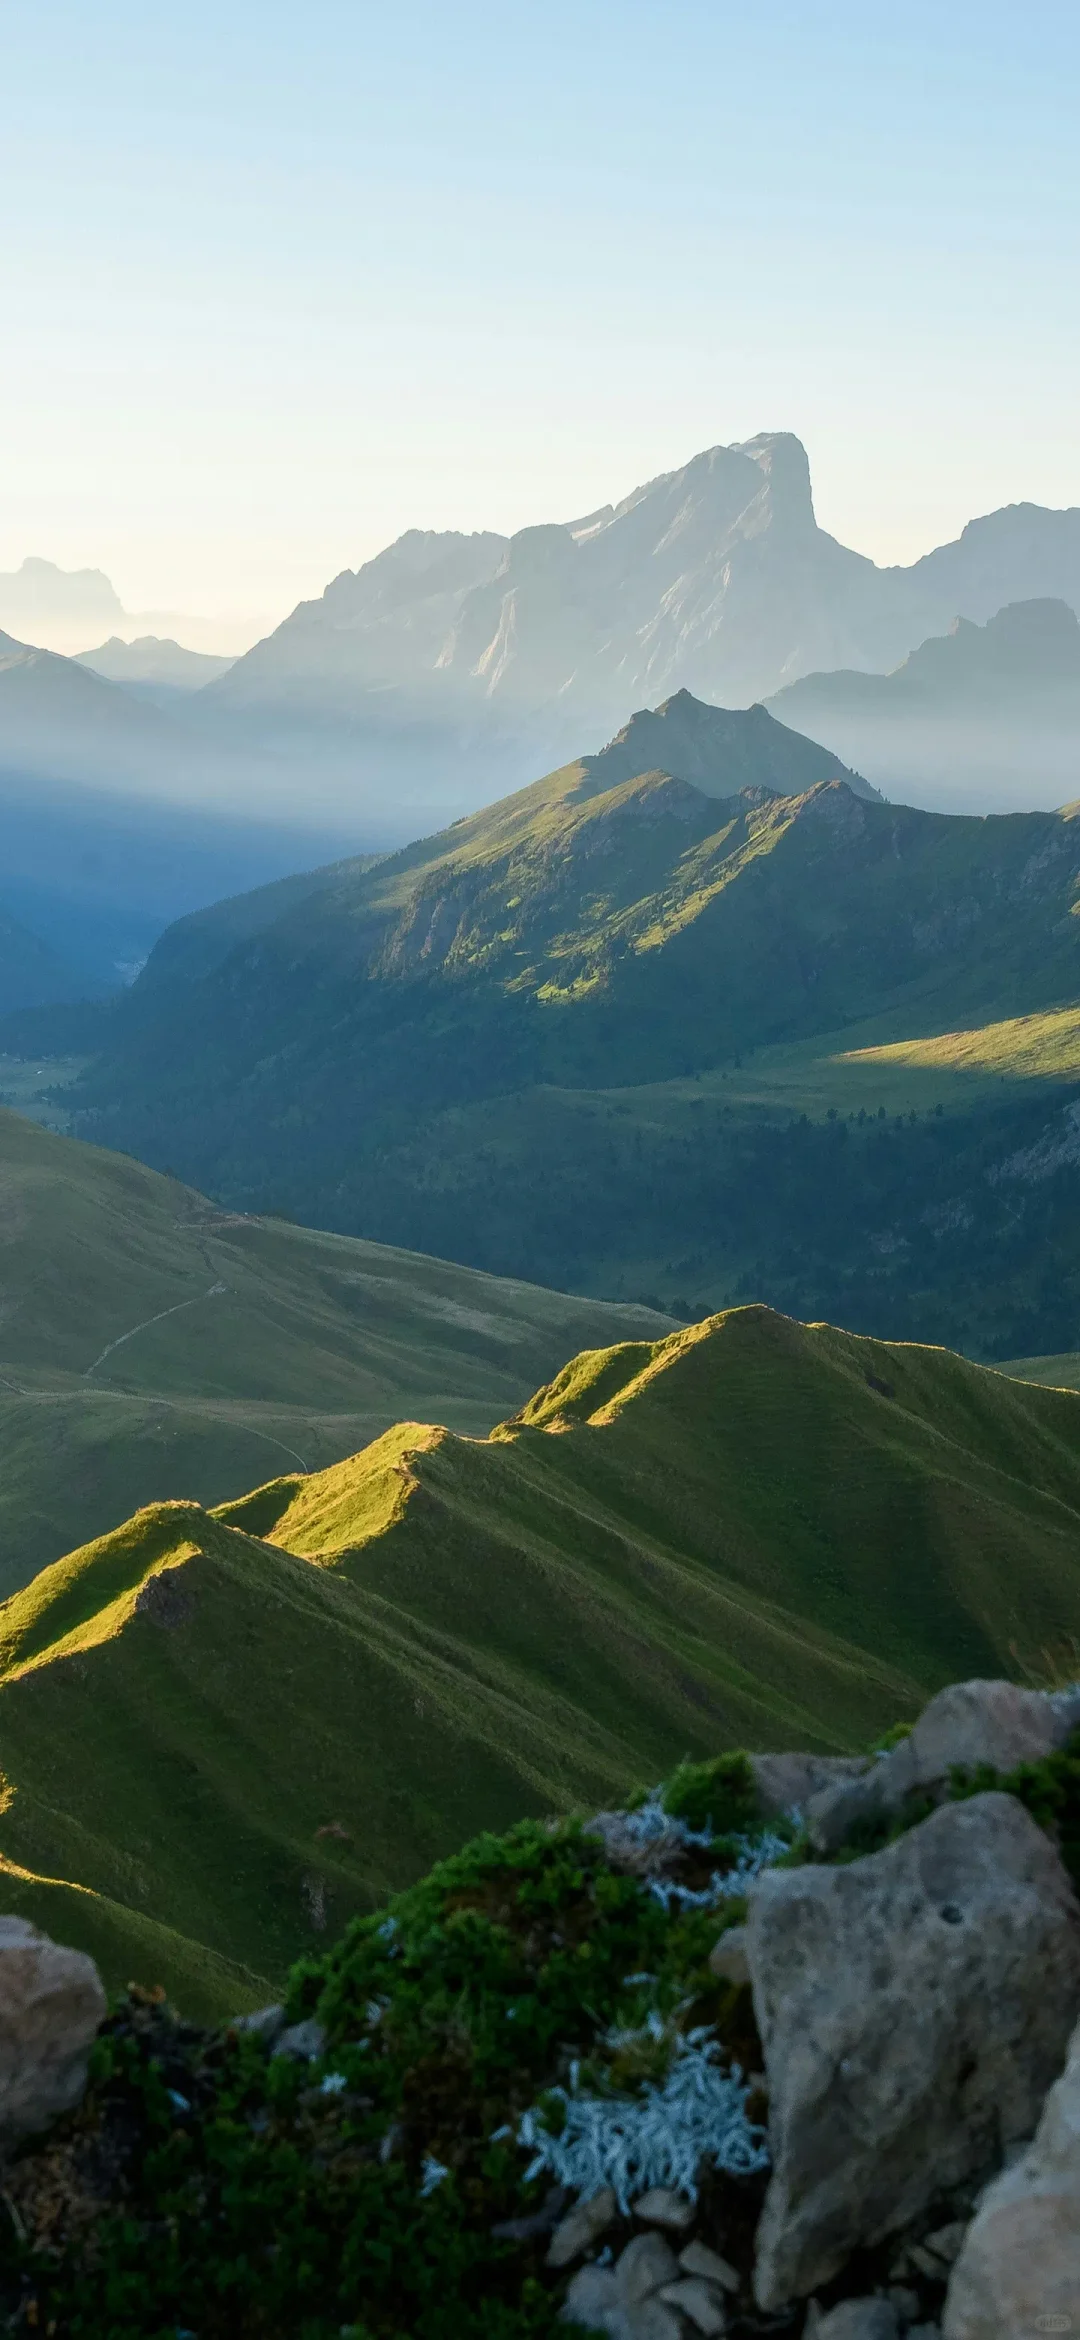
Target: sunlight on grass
<point x="1025" y="1048"/>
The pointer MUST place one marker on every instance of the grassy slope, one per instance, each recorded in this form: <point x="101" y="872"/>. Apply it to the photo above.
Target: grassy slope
<point x="1051" y="1372"/>
<point x="261" y="1345"/>
<point x="494" y="1045"/>
<point x="753" y="1532"/>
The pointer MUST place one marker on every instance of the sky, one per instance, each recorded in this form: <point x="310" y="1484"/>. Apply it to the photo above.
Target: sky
<point x="279" y="281"/>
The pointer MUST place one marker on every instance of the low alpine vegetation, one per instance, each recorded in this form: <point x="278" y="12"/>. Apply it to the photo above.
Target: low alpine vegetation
<point x="390" y="2151"/>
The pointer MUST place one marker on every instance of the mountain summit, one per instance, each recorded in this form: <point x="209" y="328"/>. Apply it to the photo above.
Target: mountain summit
<point x="715" y="577"/>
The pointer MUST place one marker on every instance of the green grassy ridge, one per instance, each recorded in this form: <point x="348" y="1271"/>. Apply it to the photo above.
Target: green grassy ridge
<point x="249" y="1726"/>
<point x="152" y="1343"/>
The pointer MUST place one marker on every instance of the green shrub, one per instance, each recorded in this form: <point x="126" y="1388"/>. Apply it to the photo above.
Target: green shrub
<point x="248" y="2196"/>
<point x="719" y="1796"/>
<point x="1049" y="1790"/>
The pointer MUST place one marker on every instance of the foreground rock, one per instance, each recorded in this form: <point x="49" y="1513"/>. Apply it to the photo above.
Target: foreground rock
<point x="51" y="2004"/>
<point x="1019" y="2270"/>
<point x="964" y="1727"/>
<point x="914" y="2008"/>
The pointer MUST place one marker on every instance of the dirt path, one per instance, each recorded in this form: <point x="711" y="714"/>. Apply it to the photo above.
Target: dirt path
<point x="149" y="1320"/>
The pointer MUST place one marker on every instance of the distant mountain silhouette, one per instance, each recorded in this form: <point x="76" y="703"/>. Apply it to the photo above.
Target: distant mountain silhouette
<point x="39" y="596"/>
<point x="152" y="668"/>
<point x="56" y="716"/>
<point x="452" y="667"/>
<point x="988" y="712"/>
<point x="715" y="578"/>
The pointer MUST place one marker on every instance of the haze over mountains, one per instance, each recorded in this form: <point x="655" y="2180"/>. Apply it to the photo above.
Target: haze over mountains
<point x="65" y="609"/>
<point x="715" y="578"/>
<point x="110" y="827"/>
<point x="94" y="875"/>
<point x="636" y="1033"/>
<point x="150" y="668"/>
<point x="453" y="666"/>
<point x="973" y="720"/>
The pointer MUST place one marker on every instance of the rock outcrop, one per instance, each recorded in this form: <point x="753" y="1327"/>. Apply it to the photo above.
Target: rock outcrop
<point x="964" y="1727"/>
<point x="916" y="2010"/>
<point x="914" y="2007"/>
<point x="51" y="2005"/>
<point x="1019" y="2269"/>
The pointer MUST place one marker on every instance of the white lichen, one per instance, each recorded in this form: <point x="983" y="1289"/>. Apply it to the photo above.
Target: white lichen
<point x="694" y="2118"/>
<point x="754" y="1854"/>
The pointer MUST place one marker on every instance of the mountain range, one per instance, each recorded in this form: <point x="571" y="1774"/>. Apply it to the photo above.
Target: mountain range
<point x="150" y="668"/>
<point x="90" y="877"/>
<point x="635" y="1035"/>
<point x="41" y="599"/>
<point x="227" y="1732"/>
<point x="99" y="850"/>
<point x="715" y="578"/>
<point x="453" y="666"/>
<point x="64" y="609"/>
<point x="984" y="717"/>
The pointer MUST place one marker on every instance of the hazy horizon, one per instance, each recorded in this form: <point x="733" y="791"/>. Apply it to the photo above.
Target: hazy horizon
<point x="284" y="288"/>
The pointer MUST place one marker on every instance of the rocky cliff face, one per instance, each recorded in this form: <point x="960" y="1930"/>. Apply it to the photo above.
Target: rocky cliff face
<point x="715" y="578"/>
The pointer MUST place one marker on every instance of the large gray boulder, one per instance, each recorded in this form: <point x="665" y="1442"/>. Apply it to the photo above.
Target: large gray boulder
<point x="914" y="2008"/>
<point x="1019" y="2270"/>
<point x="969" y="1724"/>
<point x="51" y="2005"/>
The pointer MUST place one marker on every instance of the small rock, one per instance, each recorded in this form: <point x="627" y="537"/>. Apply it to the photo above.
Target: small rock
<point x="304" y="2040"/>
<point x="592" y="2300"/>
<point x="728" y="1957"/>
<point x="265" y="2023"/>
<point x="700" y="2301"/>
<point x="905" y="2301"/>
<point x="661" y="2206"/>
<point x="785" y="1783"/>
<point x="582" y="2226"/>
<point x="651" y="2319"/>
<point x="535" y="2222"/>
<point x="1019" y="2269"/>
<point x="51" y="2005"/>
<point x="643" y="2267"/>
<point x="914" y="2007"/>
<point x="858" y="2319"/>
<point x="933" y="2255"/>
<point x="698" y="2259"/>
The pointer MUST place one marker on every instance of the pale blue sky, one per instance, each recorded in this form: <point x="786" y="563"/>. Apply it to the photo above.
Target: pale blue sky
<point x="278" y="281"/>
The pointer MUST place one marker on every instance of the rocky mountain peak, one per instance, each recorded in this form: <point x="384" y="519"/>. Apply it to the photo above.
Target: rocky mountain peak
<point x="783" y="460"/>
<point x="721" y="750"/>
